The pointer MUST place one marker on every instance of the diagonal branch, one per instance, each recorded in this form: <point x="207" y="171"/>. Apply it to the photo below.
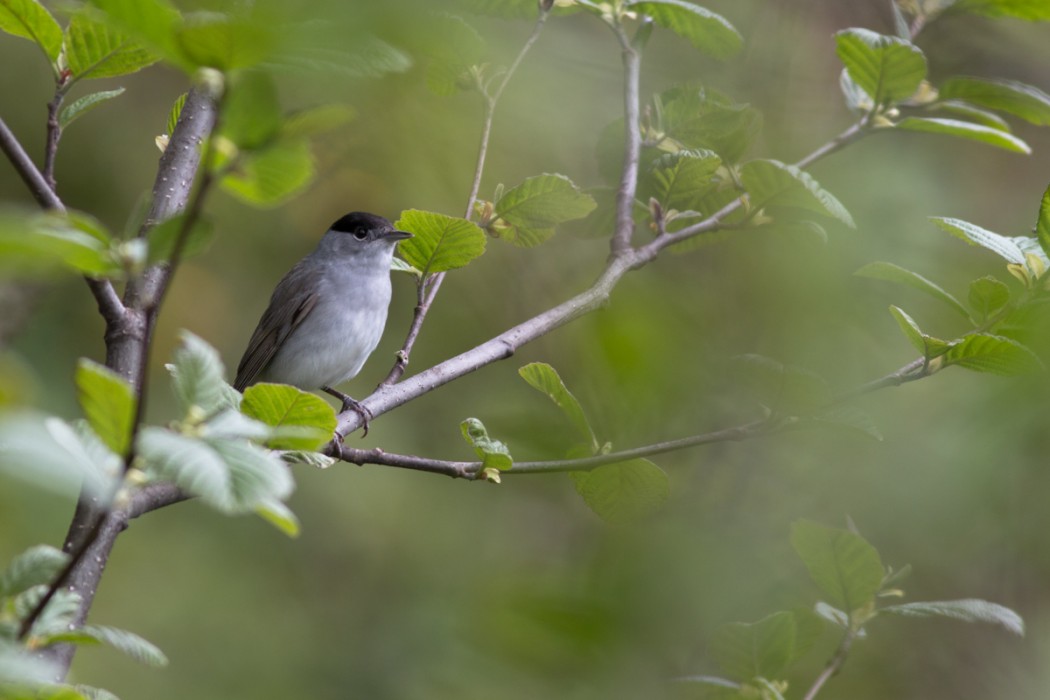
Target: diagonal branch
<point x="632" y="61"/>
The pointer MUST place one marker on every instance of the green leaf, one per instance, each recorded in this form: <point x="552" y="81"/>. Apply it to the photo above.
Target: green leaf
<point x="1002" y="246"/>
<point x="843" y="565"/>
<point x="31" y="244"/>
<point x="967" y="610"/>
<point x="57" y="617"/>
<point x="313" y="459"/>
<point x="176" y="110"/>
<point x="50" y="454"/>
<point x="1025" y="101"/>
<point x="84" y="105"/>
<point x="192" y="464"/>
<point x="128" y="643"/>
<point x="984" y="352"/>
<point x="763" y="648"/>
<point x="163" y="236"/>
<point x="256" y="476"/>
<point x="224" y="41"/>
<point x="197" y="375"/>
<point x="545" y="379"/>
<point x="439" y="242"/>
<point x="987" y="296"/>
<point x="279" y="515"/>
<point x="850" y="417"/>
<point x="272" y="176"/>
<point x="700" y="117"/>
<point x="678" y="180"/>
<point x="1032" y="10"/>
<point x="709" y="32"/>
<point x="887" y="68"/>
<point x="251" y="115"/>
<point x="310" y="418"/>
<point x="399" y="265"/>
<point x="531" y="211"/>
<point x="783" y="388"/>
<point x="356" y="57"/>
<point x="93" y="693"/>
<point x="317" y="120"/>
<point x="966" y="130"/>
<point x="452" y="47"/>
<point x="929" y="346"/>
<point x="31" y="20"/>
<point x="973" y="114"/>
<point x="493" y="453"/>
<point x="152" y="22"/>
<point x="36" y="566"/>
<point x="1042" y="227"/>
<point x="95" y="49"/>
<point x="507" y="9"/>
<point x="772" y="183"/>
<point x="623" y="493"/>
<point x="108" y="402"/>
<point x="889" y="272"/>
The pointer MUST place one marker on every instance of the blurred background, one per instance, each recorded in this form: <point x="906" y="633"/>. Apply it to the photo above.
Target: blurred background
<point x="404" y="585"/>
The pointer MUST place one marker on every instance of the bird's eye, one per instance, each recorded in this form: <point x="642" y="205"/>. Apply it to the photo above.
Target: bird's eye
<point x="360" y="233"/>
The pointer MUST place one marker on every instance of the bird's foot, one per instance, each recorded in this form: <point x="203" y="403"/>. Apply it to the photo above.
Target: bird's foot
<point x="351" y="404"/>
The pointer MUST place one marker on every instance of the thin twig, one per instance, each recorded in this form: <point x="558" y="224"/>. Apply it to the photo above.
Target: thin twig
<point x="428" y="289"/>
<point x="54" y="133"/>
<point x="834" y="665"/>
<point x="632" y="60"/>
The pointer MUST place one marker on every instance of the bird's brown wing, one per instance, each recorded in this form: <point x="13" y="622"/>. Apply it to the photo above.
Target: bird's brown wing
<point x="286" y="311"/>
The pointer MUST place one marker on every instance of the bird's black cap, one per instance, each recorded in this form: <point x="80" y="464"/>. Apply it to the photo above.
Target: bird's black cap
<point x="360" y="219"/>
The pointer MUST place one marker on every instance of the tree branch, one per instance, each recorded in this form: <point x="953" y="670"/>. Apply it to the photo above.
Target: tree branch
<point x="833" y="666"/>
<point x="428" y="290"/>
<point x="632" y="60"/>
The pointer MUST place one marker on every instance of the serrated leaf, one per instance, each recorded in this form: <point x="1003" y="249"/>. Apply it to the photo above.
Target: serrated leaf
<point x="844" y="566"/>
<point x="1025" y="101"/>
<point x="439" y="242"/>
<point x="888" y="272"/>
<point x="452" y="47"/>
<point x="493" y="453"/>
<point x="678" y="180"/>
<point x="545" y="379"/>
<point x="966" y="130"/>
<point x="310" y="418"/>
<point x="973" y="234"/>
<point x="764" y="648"/>
<point x="192" y="464"/>
<point x="273" y="175"/>
<point x="197" y="375"/>
<point x="163" y="237"/>
<point x="256" y="476"/>
<point x="313" y="459"/>
<point x="31" y="20"/>
<point x="279" y="515"/>
<point x="784" y="388"/>
<point x="151" y="22"/>
<point x="224" y="41"/>
<point x="49" y="453"/>
<point x="967" y="610"/>
<point x="533" y="209"/>
<point x="108" y="403"/>
<point x="399" y="265"/>
<point x="176" y="110"/>
<point x="85" y="104"/>
<point x="707" y="31"/>
<point x="984" y="352"/>
<point x="772" y="183"/>
<point x="128" y="643"/>
<point x="987" y="296"/>
<point x="229" y="423"/>
<point x="624" y="492"/>
<point x="19" y="666"/>
<point x="1032" y="10"/>
<point x="92" y="693"/>
<point x="36" y="566"/>
<point x="887" y="68"/>
<point x="57" y="616"/>
<point x="354" y="57"/>
<point x="95" y="49"/>
<point x="697" y="117"/>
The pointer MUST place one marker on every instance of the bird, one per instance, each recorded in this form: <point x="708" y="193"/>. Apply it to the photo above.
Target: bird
<point x="326" y="316"/>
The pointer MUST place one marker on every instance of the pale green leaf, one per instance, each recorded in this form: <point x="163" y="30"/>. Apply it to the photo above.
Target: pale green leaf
<point x="973" y="114"/>
<point x="360" y="57"/>
<point x="623" y="493"/>
<point x="929" y="346"/>
<point x="50" y="454"/>
<point x="163" y="237"/>
<point x="783" y="388"/>
<point x="108" y="403"/>
<point x="452" y="47"/>
<point x="494" y="453"/>
<point x="983" y="352"/>
<point x="887" y="68"/>
<point x="226" y="42"/>
<point x="399" y="265"/>
<point x="313" y="459"/>
<point x="544" y="378"/>
<point x="198" y="375"/>
<point x="889" y="272"/>
<point x="966" y="130"/>
<point x="692" y="116"/>
<point x="678" y="180"/>
<point x="273" y="175"/>
<point x="95" y="49"/>
<point x="85" y="104"/>
<point x="310" y="418"/>
<point x="772" y="183"/>
<point x="844" y="566"/>
<point x="58" y="615"/>
<point x="709" y="32"/>
<point x="256" y="476"/>
<point x="1032" y="10"/>
<point x="987" y="296"/>
<point x="1042" y="227"/>
<point x="764" y="648"/>
<point x="967" y="610"/>
<point x="190" y="463"/>
<point x="530" y="212"/>
<point x="127" y="643"/>
<point x="438" y="242"/>
<point x="279" y="515"/>
<point x="1025" y="101"/>
<point x="317" y="120"/>
<point x="1002" y="246"/>
<point x="31" y="20"/>
<point x="35" y="243"/>
<point x="251" y="114"/>
<point x="153" y="23"/>
<point x="35" y="566"/>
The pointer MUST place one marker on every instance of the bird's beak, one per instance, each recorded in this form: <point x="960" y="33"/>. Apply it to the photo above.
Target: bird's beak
<point x="397" y="235"/>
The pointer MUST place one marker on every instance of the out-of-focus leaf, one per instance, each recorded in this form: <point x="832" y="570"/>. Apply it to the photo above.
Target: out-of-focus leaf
<point x="988" y="295"/>
<point x="852" y="418"/>
<point x="967" y="610"/>
<point x="49" y="453"/>
<point x="625" y="492"/>
<point x="273" y="175"/>
<point x="85" y="104"/>
<point x="973" y="114"/>
<point x="929" y="346"/>
<point x="33" y="567"/>
<point x="452" y="47"/>
<point x="128" y="643"/>
<point x="95" y="49"/>
<point x="317" y="120"/>
<point x="700" y="117"/>
<point x="224" y="41"/>
<point x="1042" y="226"/>
<point x="361" y="57"/>
<point x="784" y="388"/>
<point x="709" y="32"/>
<point x="163" y="236"/>
<point x="108" y="403"/>
<point x="889" y="272"/>
<point x="35" y="243"/>
<point x="176" y="110"/>
<point x="279" y="515"/>
<point x="973" y="234"/>
<point x="772" y="183"/>
<point x="844" y="566"/>
<point x="533" y="209"/>
<point x="439" y="242"/>
<point x="984" y="352"/>
<point x="545" y="379"/>
<point x="1032" y="10"/>
<point x="493" y="453"/>
<point x="31" y="20"/>
<point x="313" y="459"/>
<point x="151" y="22"/>
<point x="198" y="375"/>
<point x="256" y="476"/>
<point x="887" y="68"/>
<point x="251" y="115"/>
<point x="763" y="648"/>
<point x="966" y="130"/>
<point x="310" y="417"/>
<point x="678" y="180"/>
<point x="1025" y="101"/>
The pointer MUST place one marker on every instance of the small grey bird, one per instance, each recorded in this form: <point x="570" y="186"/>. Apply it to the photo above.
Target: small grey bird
<point x="327" y="314"/>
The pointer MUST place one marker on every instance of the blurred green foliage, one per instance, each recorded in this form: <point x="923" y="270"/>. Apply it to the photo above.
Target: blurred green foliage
<point x="406" y="586"/>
